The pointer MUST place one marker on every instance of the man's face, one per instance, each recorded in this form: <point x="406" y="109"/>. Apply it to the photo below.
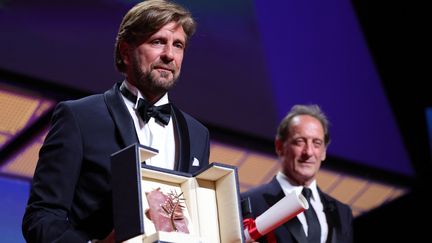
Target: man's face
<point x="303" y="150"/>
<point x="154" y="65"/>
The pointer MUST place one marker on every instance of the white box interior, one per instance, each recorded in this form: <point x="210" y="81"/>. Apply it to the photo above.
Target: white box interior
<point x="211" y="203"/>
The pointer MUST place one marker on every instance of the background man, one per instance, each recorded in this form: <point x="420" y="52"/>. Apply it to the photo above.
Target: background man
<point x="301" y="143"/>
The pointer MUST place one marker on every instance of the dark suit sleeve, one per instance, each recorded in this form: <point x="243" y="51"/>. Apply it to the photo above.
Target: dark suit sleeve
<point x="347" y="221"/>
<point x="54" y="181"/>
<point x="257" y="203"/>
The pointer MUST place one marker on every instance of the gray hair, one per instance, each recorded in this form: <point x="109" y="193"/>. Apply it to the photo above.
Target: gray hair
<point x="310" y="110"/>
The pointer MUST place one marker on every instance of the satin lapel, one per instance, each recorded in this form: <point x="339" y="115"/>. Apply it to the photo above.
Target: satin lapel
<point x="182" y="132"/>
<point x="294" y="226"/>
<point x="121" y="116"/>
<point x="331" y="216"/>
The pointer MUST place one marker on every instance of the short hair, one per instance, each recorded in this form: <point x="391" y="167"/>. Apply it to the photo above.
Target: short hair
<point x="310" y="110"/>
<point x="145" y="19"/>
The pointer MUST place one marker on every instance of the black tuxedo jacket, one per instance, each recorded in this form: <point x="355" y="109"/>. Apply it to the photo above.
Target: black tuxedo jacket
<point x="339" y="215"/>
<point x="70" y="198"/>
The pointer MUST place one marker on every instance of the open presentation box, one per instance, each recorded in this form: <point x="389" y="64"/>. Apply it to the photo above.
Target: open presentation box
<point x="212" y="203"/>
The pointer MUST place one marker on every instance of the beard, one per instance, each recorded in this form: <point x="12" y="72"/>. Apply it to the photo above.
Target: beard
<point x="148" y="81"/>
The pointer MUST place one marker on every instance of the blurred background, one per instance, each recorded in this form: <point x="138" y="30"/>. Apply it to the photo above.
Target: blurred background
<point x="247" y="64"/>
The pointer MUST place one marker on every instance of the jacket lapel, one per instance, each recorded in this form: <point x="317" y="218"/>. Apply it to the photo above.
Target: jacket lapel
<point x="296" y="229"/>
<point x="331" y="216"/>
<point x="126" y="127"/>
<point x="183" y="141"/>
<point x="294" y="226"/>
<point x="120" y="116"/>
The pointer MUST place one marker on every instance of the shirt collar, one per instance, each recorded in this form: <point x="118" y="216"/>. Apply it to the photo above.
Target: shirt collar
<point x="134" y="90"/>
<point x="287" y="187"/>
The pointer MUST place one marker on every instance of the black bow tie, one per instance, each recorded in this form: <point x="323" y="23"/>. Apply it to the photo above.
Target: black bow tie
<point x="160" y="113"/>
<point x="146" y="110"/>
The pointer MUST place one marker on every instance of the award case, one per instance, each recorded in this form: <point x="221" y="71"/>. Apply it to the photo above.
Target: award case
<point x="212" y="200"/>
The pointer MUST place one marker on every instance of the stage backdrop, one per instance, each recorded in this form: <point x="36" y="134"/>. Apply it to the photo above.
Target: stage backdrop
<point x="248" y="63"/>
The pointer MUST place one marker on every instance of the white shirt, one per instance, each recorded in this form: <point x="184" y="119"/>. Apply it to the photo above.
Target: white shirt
<point x="153" y="134"/>
<point x="315" y="201"/>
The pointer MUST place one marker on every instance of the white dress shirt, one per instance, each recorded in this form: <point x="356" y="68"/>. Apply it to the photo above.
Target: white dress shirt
<point x="315" y="201"/>
<point x="153" y="134"/>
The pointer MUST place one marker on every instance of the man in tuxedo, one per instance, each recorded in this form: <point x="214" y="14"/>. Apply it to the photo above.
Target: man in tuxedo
<point x="70" y="198"/>
<point x="301" y="142"/>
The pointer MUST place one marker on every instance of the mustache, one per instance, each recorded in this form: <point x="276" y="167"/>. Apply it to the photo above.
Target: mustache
<point x="169" y="66"/>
